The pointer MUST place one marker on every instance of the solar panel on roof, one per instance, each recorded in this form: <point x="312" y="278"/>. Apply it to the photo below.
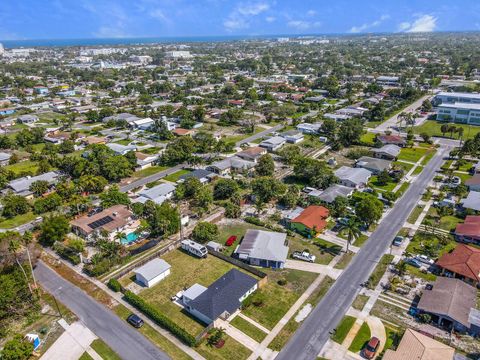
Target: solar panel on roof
<point x="100" y="222"/>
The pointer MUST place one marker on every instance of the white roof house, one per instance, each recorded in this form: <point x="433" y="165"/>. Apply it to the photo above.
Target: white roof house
<point x="353" y="177"/>
<point x="152" y="272"/>
<point x="389" y="151"/>
<point x="158" y="194"/>
<point x="143" y="124"/>
<point x="263" y="248"/>
<point x="273" y="143"/>
<point x="121" y="149"/>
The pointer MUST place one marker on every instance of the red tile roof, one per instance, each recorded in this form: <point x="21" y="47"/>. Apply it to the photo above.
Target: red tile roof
<point x="391" y="139"/>
<point x="471" y="227"/>
<point x="181" y="132"/>
<point x="463" y="260"/>
<point x="313" y="217"/>
<point x="474" y="180"/>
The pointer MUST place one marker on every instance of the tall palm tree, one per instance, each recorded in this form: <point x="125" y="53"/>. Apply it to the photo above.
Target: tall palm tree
<point x="352" y="227"/>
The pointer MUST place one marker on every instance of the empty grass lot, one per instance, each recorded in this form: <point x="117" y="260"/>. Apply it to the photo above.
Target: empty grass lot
<point x="248" y="329"/>
<point x="186" y="270"/>
<point x="154" y="336"/>
<point x="412" y="154"/>
<point x="287" y="331"/>
<point x="427" y="244"/>
<point x="433" y="128"/>
<point x="361" y="338"/>
<point x="148" y="171"/>
<point x="23" y="166"/>
<point x="343" y="328"/>
<point x="323" y="250"/>
<point x="176" y="175"/>
<point x="17" y="220"/>
<point x="278" y="299"/>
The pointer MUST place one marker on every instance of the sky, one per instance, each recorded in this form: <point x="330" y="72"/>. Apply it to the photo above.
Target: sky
<point x="81" y="19"/>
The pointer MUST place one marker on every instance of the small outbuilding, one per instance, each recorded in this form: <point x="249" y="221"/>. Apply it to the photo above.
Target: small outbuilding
<point x="152" y="272"/>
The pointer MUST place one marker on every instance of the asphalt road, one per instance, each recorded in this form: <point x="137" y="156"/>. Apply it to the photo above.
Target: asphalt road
<point x="259" y="135"/>
<point x="152" y="178"/>
<point x="116" y="333"/>
<point x="310" y="338"/>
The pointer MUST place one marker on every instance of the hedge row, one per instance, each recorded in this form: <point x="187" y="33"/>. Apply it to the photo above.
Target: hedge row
<point x="159" y="318"/>
<point x="115" y="285"/>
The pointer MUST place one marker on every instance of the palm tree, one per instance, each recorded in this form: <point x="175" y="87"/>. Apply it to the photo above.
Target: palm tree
<point x="27" y="240"/>
<point x="14" y="247"/>
<point x="119" y="236"/>
<point x="352" y="227"/>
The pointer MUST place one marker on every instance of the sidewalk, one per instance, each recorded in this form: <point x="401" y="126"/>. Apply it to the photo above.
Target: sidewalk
<point x="333" y="238"/>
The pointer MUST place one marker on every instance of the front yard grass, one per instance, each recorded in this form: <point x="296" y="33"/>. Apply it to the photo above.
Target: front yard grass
<point x="324" y="251"/>
<point x="415" y="214"/>
<point x="401" y="190"/>
<point x="448" y="222"/>
<point x="343" y="328"/>
<point x="360" y="340"/>
<point x="412" y="154"/>
<point x="148" y="171"/>
<point x="360" y="301"/>
<point x="104" y="351"/>
<point x="278" y="299"/>
<point x="232" y="349"/>
<point x="383" y="187"/>
<point x="405" y="166"/>
<point x="462" y="176"/>
<point x="186" y="270"/>
<point x="154" y="336"/>
<point x="248" y="329"/>
<point x="430" y="245"/>
<point x="417" y="170"/>
<point x="176" y="175"/>
<point x="357" y="242"/>
<point x="345" y="260"/>
<point x="368" y="138"/>
<point x="380" y="269"/>
<point x="287" y="331"/>
<point x="416" y="272"/>
<point x="23" y="166"/>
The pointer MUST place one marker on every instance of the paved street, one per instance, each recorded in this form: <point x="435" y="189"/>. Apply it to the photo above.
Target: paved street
<point x="259" y="135"/>
<point x="118" y="334"/>
<point x="315" y="331"/>
<point x="151" y="178"/>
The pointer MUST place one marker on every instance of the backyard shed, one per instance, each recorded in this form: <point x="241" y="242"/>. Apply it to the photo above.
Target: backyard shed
<point x="152" y="272"/>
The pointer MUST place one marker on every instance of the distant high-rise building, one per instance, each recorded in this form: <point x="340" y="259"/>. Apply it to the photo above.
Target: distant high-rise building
<point x="2" y="49"/>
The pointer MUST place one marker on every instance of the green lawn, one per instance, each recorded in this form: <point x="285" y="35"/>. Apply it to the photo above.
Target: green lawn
<point x="448" y="222"/>
<point x="417" y="170"/>
<point x="148" y="171"/>
<point x="155" y="337"/>
<point x="176" y="175"/>
<point x="358" y="242"/>
<point x="380" y="269"/>
<point x="405" y="166"/>
<point x="403" y="188"/>
<point x="430" y="245"/>
<point x="104" y="351"/>
<point x="345" y="260"/>
<point x="433" y="128"/>
<point x="416" y="272"/>
<point x="291" y="326"/>
<point x="368" y="138"/>
<point x="23" y="166"/>
<point x="387" y="187"/>
<point x="278" y="299"/>
<point x="248" y="329"/>
<point x="415" y="214"/>
<point x="466" y="166"/>
<point x="360" y="301"/>
<point x="362" y="337"/>
<point x="17" y="220"/>
<point x="238" y="230"/>
<point x="124" y="142"/>
<point x="85" y="356"/>
<point x="343" y="328"/>
<point x="323" y="250"/>
<point x="412" y="154"/>
<point x="462" y="176"/>
<point x="232" y="349"/>
<point x="428" y="157"/>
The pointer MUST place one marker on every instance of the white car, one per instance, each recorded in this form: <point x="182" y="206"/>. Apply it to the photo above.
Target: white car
<point x="424" y="259"/>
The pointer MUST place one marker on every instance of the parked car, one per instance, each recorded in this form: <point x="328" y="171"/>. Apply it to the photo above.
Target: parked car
<point x="398" y="241"/>
<point x="135" y="321"/>
<point x="414" y="262"/>
<point x="424" y="259"/>
<point x="304" y="255"/>
<point x="231" y="240"/>
<point x="371" y="348"/>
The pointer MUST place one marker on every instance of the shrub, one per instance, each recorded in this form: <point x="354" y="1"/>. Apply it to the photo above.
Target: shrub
<point x="67" y="253"/>
<point x="115" y="285"/>
<point x="159" y="318"/>
<point x="254" y="221"/>
<point x="282" y="282"/>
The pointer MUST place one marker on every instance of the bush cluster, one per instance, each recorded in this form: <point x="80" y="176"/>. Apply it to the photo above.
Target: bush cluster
<point x="115" y="285"/>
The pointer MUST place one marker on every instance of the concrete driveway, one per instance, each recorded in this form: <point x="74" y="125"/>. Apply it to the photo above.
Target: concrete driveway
<point x="312" y="267"/>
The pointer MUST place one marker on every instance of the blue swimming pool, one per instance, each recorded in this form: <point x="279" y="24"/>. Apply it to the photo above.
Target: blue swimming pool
<point x="129" y="238"/>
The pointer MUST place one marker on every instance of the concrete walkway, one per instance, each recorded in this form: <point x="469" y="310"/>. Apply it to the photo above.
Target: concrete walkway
<point x="312" y="267"/>
<point x="72" y="343"/>
<point x="237" y="334"/>
<point x="254" y="323"/>
<point x="333" y="238"/>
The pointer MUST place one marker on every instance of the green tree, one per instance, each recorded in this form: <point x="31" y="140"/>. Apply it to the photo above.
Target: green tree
<point x="350" y="132"/>
<point x="113" y="196"/>
<point x="369" y="209"/>
<point x="54" y="228"/>
<point x="225" y="189"/>
<point x="265" y="166"/>
<point x="163" y="220"/>
<point x="352" y="228"/>
<point x="17" y="349"/>
<point x="383" y="178"/>
<point x="205" y="232"/>
<point x="267" y="188"/>
<point x="14" y="205"/>
<point x="39" y="187"/>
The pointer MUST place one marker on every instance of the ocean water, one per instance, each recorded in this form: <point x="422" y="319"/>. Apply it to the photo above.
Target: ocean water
<point x="125" y="41"/>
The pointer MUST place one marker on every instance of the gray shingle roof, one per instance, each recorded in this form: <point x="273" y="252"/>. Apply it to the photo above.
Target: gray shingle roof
<point x="472" y="201"/>
<point x="153" y="268"/>
<point x="198" y="174"/>
<point x="23" y="184"/>
<point x="373" y="163"/>
<point x="355" y="175"/>
<point x="224" y="294"/>
<point x="390" y="149"/>
<point x="332" y="192"/>
<point x="260" y="244"/>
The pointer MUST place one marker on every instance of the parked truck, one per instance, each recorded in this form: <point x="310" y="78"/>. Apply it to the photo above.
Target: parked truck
<point x="304" y="256"/>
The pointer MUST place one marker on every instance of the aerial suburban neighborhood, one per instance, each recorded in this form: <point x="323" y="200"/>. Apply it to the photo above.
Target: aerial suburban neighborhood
<point x="301" y="197"/>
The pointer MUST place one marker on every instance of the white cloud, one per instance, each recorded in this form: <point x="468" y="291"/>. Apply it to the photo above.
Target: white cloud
<point x="366" y="26"/>
<point x="270" y="19"/>
<point x="425" y="23"/>
<point x="303" y="25"/>
<point x="404" y="26"/>
<point x="311" y="13"/>
<point x="240" y="17"/>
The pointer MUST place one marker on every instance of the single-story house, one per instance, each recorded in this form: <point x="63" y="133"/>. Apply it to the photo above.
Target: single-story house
<point x="293" y="136"/>
<point x="4" y="158"/>
<point x="202" y="175"/>
<point x="388" y="152"/>
<point x="158" y="194"/>
<point x="469" y="230"/>
<point x="312" y="219"/>
<point x="182" y="132"/>
<point x="27" y="119"/>
<point x="22" y="185"/>
<point x="392" y="139"/>
<point x="353" y="177"/>
<point x="233" y="163"/>
<point x="222" y="298"/>
<point x="449" y="303"/>
<point x="143" y="124"/>
<point x="473" y="183"/>
<point x="274" y="143"/>
<point x="145" y="160"/>
<point x="129" y="118"/>
<point x="462" y="263"/>
<point x="376" y="166"/>
<point x="472" y="201"/>
<point x="416" y="346"/>
<point x="152" y="272"/>
<point x="57" y="137"/>
<point x="112" y="220"/>
<point x="263" y="248"/>
<point x="90" y="140"/>
<point x="120" y="149"/>
<point x="332" y="192"/>
<point x="252" y="153"/>
<point x="308" y="128"/>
